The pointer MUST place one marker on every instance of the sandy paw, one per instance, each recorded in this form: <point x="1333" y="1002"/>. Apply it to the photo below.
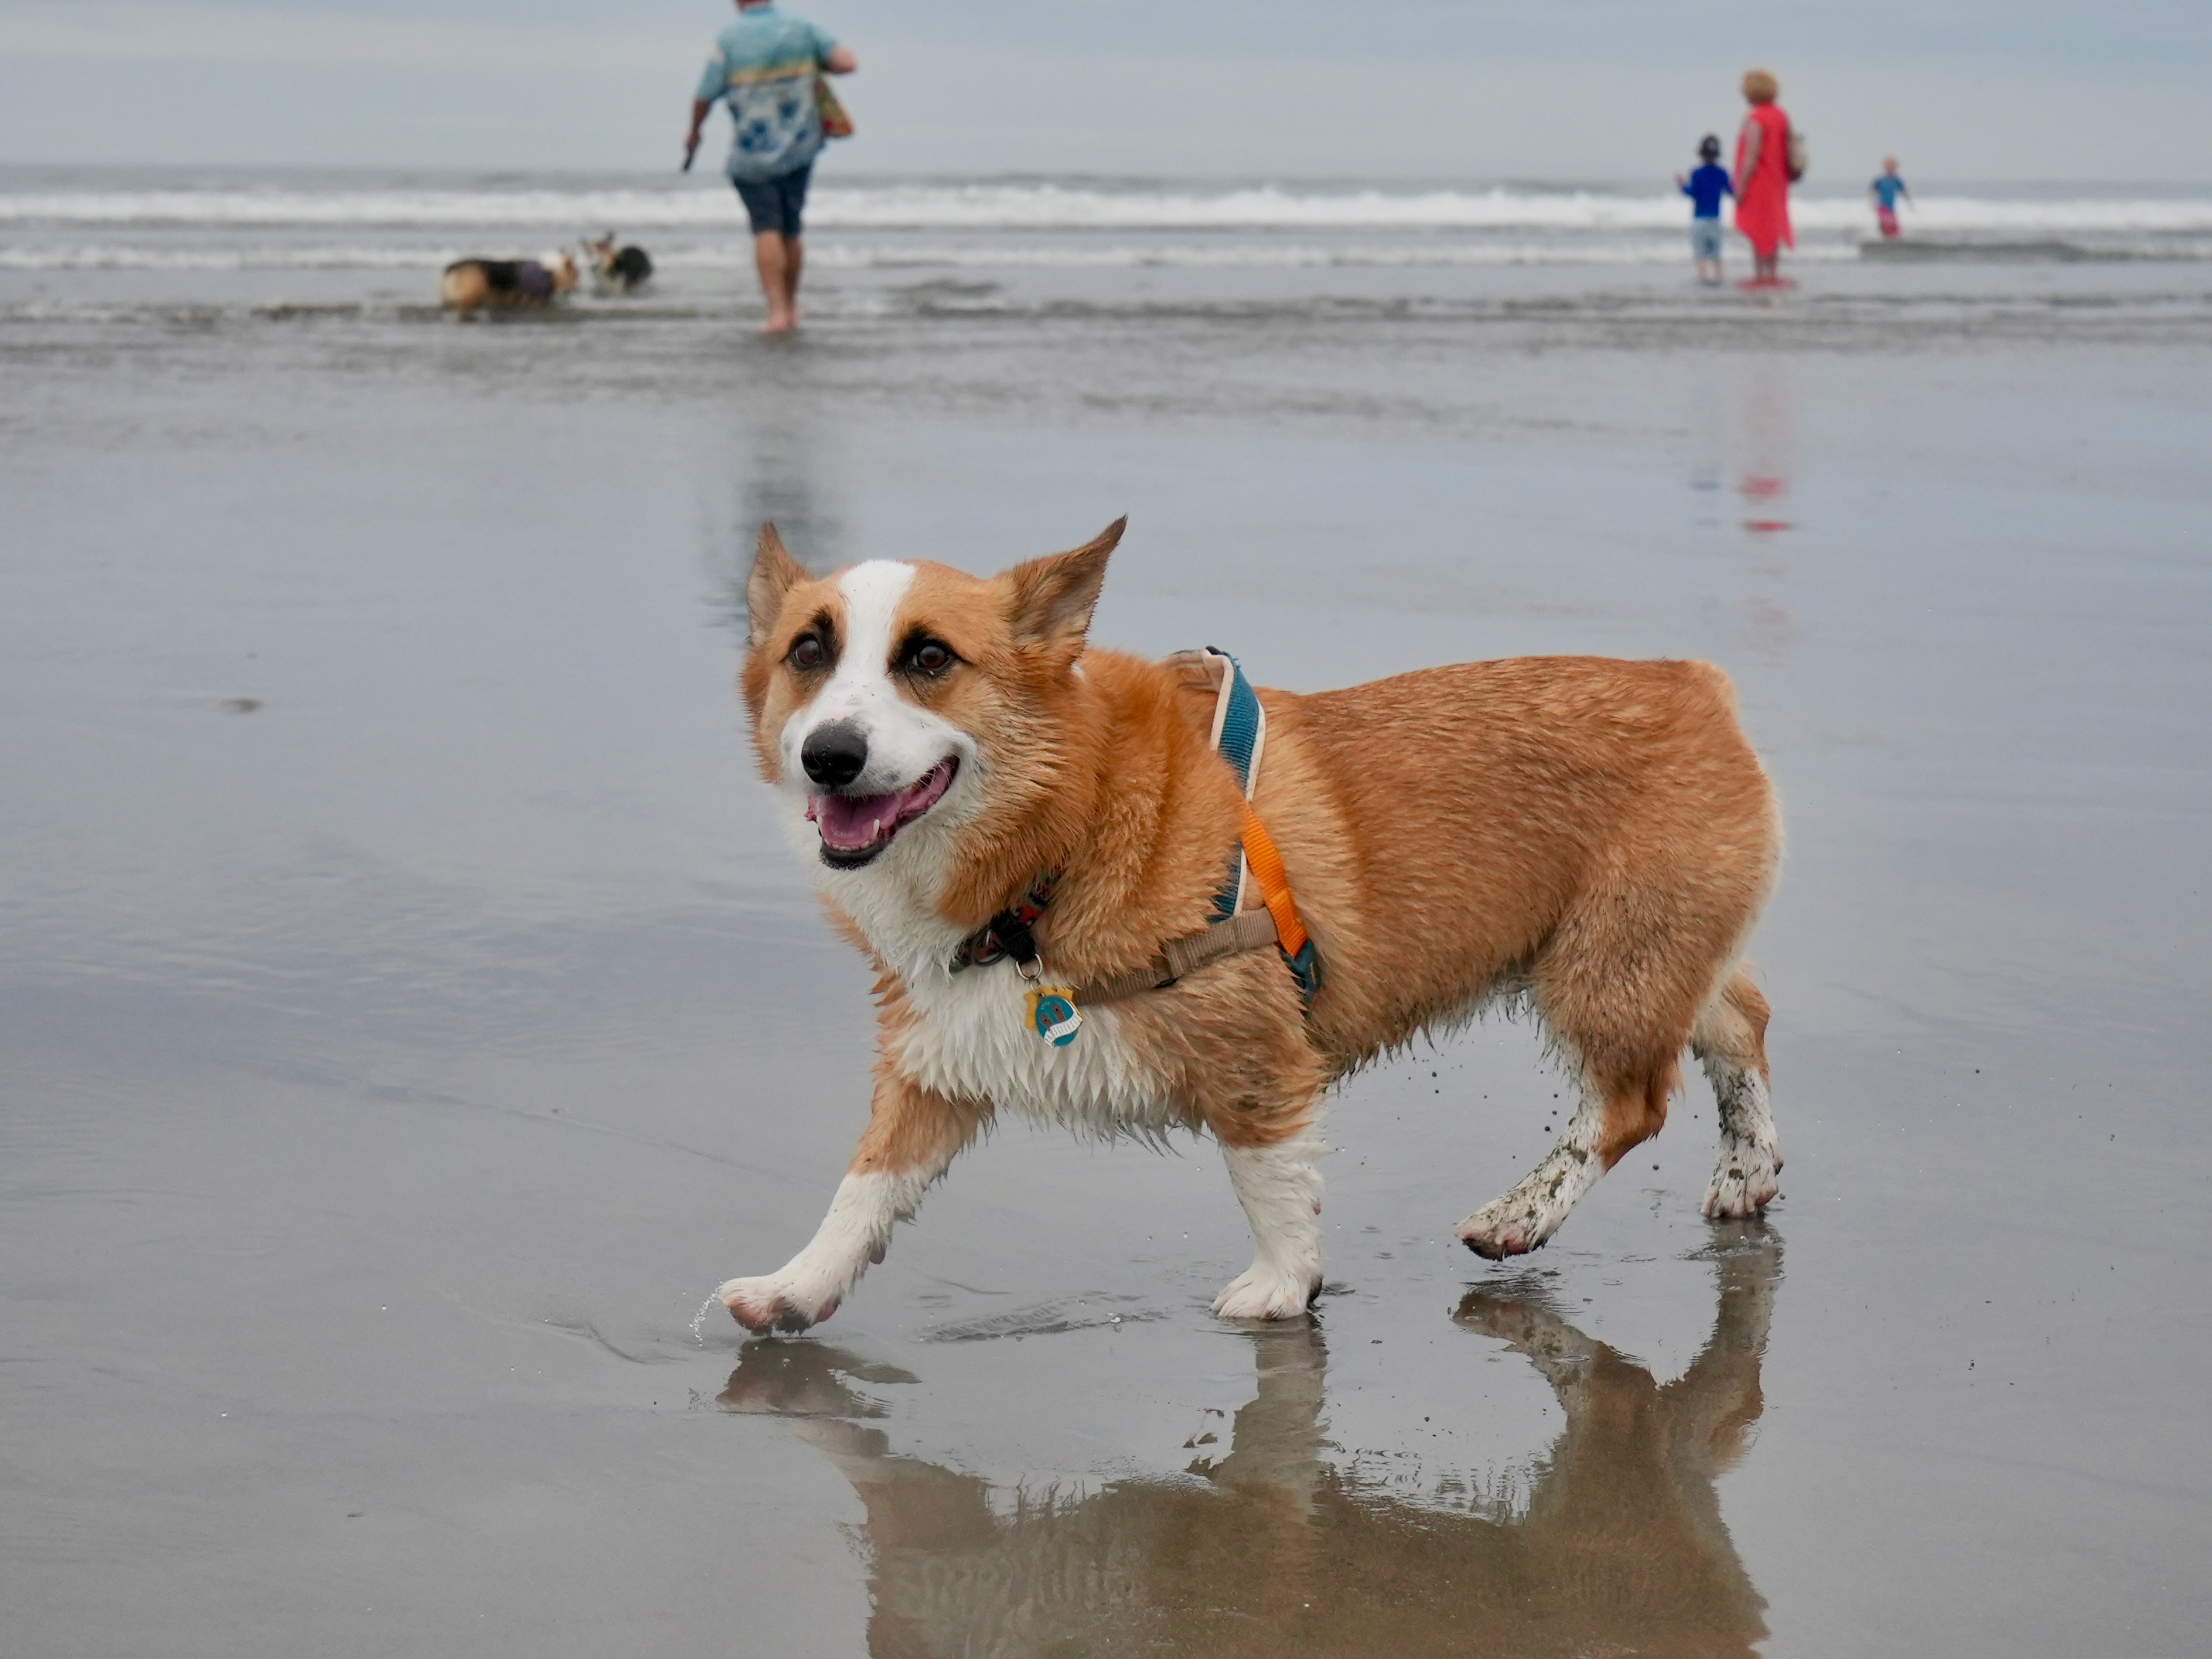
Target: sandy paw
<point x="1746" y="1180"/>
<point x="1266" y="1293"/>
<point x="1511" y="1225"/>
<point x="762" y="1305"/>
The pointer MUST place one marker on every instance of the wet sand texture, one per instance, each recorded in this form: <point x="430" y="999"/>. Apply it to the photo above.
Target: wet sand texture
<point x="388" y="1068"/>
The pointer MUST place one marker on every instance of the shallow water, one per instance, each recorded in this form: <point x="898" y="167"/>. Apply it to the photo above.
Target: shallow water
<point x="392" y="1066"/>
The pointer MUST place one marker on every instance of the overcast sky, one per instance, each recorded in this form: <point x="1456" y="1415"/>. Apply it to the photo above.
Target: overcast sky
<point x="1966" y="90"/>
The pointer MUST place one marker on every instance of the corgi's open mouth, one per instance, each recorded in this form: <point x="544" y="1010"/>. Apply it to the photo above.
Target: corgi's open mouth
<point x="856" y="828"/>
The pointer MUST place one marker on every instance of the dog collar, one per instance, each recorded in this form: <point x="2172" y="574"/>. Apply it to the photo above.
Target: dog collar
<point x="1010" y="932"/>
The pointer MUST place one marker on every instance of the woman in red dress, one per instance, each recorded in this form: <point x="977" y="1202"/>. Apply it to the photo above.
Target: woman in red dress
<point x="1762" y="176"/>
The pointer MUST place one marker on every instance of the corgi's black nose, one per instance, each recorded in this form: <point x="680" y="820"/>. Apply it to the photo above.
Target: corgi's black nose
<point x="833" y="755"/>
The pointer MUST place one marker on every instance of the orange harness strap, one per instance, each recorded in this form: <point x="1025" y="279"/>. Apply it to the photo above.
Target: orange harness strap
<point x="1278" y="925"/>
<point x="1240" y="724"/>
<point x="1274" y="883"/>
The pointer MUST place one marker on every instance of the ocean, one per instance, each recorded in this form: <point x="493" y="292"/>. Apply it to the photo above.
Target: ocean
<point x="84" y="248"/>
<point x="92" y="220"/>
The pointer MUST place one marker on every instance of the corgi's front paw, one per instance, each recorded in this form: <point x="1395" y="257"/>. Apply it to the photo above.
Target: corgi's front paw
<point x="1262" y="1293"/>
<point x="775" y="1304"/>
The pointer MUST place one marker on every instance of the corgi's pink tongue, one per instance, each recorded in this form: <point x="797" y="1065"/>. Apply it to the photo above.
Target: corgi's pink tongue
<point x="849" y="823"/>
<point x="853" y="823"/>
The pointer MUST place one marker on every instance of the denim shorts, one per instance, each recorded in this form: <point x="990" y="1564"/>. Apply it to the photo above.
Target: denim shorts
<point x="775" y="205"/>
<point x="1706" y="239"/>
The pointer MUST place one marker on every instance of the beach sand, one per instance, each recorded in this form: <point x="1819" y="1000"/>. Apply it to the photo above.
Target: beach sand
<point x="412" y="1012"/>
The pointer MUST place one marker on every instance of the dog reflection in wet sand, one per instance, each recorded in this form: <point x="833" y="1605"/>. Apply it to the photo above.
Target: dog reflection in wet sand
<point x="1619" y="1548"/>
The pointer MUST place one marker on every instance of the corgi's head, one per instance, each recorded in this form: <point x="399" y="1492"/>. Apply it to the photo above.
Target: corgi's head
<point x="601" y="252"/>
<point x="895" y="705"/>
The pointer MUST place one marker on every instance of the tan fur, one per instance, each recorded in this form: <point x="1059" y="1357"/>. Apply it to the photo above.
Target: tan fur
<point x="1597" y="830"/>
<point x="463" y="287"/>
<point x="910" y="1125"/>
<point x="1594" y="835"/>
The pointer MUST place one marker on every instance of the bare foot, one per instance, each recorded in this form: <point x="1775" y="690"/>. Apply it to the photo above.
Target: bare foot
<point x="780" y="323"/>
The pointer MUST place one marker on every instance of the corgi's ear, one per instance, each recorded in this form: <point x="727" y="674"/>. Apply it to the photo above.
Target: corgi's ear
<point x="1051" y="600"/>
<point x="775" y="573"/>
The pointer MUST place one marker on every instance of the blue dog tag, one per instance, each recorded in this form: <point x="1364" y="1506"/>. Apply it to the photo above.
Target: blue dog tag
<point x="1055" y="1017"/>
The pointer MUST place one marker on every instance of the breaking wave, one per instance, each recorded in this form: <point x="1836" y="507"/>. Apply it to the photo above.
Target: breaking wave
<point x="1055" y="207"/>
<point x="977" y="256"/>
<point x="60" y="223"/>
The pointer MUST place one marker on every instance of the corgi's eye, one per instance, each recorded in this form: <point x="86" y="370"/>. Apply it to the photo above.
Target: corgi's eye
<point x="808" y="654"/>
<point x="931" y="657"/>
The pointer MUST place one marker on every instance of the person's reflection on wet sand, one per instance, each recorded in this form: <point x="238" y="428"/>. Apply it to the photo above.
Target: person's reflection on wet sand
<point x="1619" y="1547"/>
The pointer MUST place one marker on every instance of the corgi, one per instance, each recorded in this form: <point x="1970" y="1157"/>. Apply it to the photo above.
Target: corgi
<point x="618" y="270"/>
<point x="506" y="285"/>
<point x="1030" y="837"/>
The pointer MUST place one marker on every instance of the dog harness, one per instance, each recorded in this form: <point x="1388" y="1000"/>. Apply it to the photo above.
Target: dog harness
<point x="1239" y="735"/>
<point x="525" y="277"/>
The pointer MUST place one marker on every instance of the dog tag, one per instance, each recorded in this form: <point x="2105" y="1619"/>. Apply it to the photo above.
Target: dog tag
<point x="1054" y="1016"/>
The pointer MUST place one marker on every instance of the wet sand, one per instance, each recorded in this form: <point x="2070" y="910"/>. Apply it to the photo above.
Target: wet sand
<point x="391" y="1066"/>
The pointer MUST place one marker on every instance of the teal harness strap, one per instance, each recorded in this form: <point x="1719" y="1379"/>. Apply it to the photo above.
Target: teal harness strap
<point x="1305" y="968"/>
<point x="1240" y="733"/>
<point x="1240" y="727"/>
<point x="1242" y="722"/>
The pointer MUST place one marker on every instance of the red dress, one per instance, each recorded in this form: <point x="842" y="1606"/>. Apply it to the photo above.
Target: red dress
<point x="1762" y="201"/>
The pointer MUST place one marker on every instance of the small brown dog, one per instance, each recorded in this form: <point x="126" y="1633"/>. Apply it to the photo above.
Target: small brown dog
<point x="506" y="285"/>
<point x="1029" y="838"/>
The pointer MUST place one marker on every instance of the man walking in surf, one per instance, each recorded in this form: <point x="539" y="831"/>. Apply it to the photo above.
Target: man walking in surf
<point x="763" y="67"/>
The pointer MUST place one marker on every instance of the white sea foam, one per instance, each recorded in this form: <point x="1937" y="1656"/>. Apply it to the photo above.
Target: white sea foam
<point x="117" y="256"/>
<point x="988" y="254"/>
<point x="389" y="225"/>
<point x="1058" y="207"/>
<point x="981" y="255"/>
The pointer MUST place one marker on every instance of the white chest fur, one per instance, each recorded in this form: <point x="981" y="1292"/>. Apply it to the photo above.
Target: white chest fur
<point x="971" y="1035"/>
<point x="974" y="1038"/>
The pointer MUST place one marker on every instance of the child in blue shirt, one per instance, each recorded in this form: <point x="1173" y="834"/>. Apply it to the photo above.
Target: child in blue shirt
<point x="1885" y="189"/>
<point x="1704" y="188"/>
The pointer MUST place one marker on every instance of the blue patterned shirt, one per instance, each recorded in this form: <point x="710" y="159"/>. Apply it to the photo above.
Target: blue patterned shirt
<point x="763" y="66"/>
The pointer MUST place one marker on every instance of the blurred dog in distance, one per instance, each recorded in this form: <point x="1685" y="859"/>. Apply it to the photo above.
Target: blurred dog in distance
<point x="469" y="285"/>
<point x="618" y="270"/>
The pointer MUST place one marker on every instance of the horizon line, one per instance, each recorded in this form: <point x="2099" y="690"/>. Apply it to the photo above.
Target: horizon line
<point x="1027" y="176"/>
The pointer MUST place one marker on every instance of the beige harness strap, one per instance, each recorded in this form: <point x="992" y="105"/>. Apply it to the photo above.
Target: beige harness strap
<point x="1247" y="930"/>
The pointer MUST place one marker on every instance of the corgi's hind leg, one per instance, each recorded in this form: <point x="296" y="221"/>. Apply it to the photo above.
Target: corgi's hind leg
<point x="1619" y="987"/>
<point x="1613" y="1115"/>
<point x="1729" y="1040"/>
